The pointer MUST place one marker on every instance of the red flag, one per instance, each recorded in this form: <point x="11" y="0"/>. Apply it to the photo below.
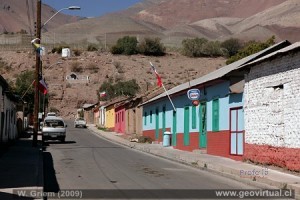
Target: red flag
<point x="159" y="82"/>
<point x="42" y="86"/>
<point x="102" y="94"/>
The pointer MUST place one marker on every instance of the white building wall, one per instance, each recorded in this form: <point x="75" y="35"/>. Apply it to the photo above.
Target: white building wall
<point x="272" y="102"/>
<point x="10" y="123"/>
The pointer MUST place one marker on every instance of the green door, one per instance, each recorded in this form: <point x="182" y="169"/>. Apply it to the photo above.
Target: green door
<point x="174" y="129"/>
<point x="186" y="134"/>
<point x="156" y="124"/>
<point x="202" y="126"/>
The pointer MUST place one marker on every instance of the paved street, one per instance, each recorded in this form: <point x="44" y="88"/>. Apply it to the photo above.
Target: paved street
<point x="87" y="161"/>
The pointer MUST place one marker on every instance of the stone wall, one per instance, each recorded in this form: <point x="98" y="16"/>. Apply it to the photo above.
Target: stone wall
<point x="272" y="111"/>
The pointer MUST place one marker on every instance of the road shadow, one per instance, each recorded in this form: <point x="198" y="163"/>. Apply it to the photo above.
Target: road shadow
<point x="50" y="181"/>
<point x="7" y="196"/>
<point x="47" y="143"/>
<point x="19" y="165"/>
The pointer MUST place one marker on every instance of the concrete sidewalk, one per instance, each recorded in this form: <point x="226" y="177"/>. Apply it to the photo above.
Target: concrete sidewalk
<point x="237" y="170"/>
<point x="21" y="167"/>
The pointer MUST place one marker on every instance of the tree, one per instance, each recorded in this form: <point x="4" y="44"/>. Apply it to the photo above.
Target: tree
<point x="24" y="86"/>
<point x="121" y="88"/>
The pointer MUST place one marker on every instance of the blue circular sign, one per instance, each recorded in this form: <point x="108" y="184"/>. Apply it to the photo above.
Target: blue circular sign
<point x="193" y="94"/>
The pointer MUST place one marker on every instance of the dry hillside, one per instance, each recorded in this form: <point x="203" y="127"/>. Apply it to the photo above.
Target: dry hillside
<point x="174" y="20"/>
<point x="16" y="15"/>
<point x="67" y="96"/>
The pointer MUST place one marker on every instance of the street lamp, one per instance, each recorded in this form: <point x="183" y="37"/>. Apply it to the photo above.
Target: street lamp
<point x="38" y="65"/>
<point x="68" y="8"/>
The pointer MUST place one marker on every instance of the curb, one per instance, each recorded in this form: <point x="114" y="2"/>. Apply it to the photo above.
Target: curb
<point x="193" y="161"/>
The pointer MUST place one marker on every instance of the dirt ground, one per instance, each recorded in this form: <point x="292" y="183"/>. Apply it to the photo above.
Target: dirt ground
<point x="93" y="68"/>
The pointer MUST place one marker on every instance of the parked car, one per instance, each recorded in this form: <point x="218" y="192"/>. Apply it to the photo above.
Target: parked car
<point x="79" y="122"/>
<point x="54" y="128"/>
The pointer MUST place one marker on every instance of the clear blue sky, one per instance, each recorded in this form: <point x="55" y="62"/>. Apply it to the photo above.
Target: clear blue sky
<point x="91" y="8"/>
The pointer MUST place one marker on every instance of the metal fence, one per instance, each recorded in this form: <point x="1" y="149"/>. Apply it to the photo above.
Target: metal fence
<point x="50" y="40"/>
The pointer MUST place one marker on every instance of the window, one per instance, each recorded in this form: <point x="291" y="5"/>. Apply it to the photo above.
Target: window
<point x="215" y="115"/>
<point x="145" y="118"/>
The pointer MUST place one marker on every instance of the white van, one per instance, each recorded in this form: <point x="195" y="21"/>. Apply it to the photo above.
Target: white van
<point x="54" y="128"/>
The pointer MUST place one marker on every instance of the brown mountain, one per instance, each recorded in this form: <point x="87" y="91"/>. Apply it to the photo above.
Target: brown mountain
<point x="16" y="15"/>
<point x="171" y="20"/>
<point x="175" y="20"/>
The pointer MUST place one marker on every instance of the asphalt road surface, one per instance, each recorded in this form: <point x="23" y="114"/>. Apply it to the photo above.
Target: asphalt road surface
<point x="100" y="169"/>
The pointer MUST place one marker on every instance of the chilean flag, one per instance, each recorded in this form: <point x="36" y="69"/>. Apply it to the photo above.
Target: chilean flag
<point x="102" y="94"/>
<point x="159" y="82"/>
<point x="42" y="86"/>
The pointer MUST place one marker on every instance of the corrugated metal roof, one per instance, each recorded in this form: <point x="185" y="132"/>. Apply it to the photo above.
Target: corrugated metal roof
<point x="274" y="54"/>
<point x="218" y="73"/>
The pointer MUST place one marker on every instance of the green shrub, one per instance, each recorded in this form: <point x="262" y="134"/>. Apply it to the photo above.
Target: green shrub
<point x="194" y="47"/>
<point x="152" y="47"/>
<point x="127" y="88"/>
<point x="126" y="45"/>
<point x="251" y="48"/>
<point x="231" y="46"/>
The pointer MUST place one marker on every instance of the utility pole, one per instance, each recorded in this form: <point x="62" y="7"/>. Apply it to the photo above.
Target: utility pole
<point x="36" y="76"/>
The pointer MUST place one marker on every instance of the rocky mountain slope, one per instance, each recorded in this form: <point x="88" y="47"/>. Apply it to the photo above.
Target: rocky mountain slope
<point x="174" y="20"/>
<point x="171" y="20"/>
<point x="16" y="15"/>
<point x="67" y="95"/>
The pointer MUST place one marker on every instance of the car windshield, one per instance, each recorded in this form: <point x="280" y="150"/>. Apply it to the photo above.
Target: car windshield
<point x="54" y="123"/>
<point x="80" y="119"/>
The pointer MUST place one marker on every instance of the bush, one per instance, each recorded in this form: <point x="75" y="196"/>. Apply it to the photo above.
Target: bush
<point x="126" y="45"/>
<point x="194" y="47"/>
<point x="212" y="49"/>
<point x="251" y="48"/>
<point x="92" y="47"/>
<point x="59" y="49"/>
<point x="76" y="67"/>
<point x="77" y="52"/>
<point x="231" y="46"/>
<point x="152" y="47"/>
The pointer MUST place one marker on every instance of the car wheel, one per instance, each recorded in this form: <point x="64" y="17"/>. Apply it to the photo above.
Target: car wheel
<point x="63" y="140"/>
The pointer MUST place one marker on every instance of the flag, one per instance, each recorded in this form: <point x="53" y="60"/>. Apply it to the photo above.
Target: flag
<point x="102" y="94"/>
<point x="36" y="45"/>
<point x="42" y="86"/>
<point x="159" y="82"/>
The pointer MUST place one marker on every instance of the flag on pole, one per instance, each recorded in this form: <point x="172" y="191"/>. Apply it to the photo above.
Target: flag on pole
<point x="36" y="45"/>
<point x="103" y="94"/>
<point x="42" y="86"/>
<point x="159" y="81"/>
